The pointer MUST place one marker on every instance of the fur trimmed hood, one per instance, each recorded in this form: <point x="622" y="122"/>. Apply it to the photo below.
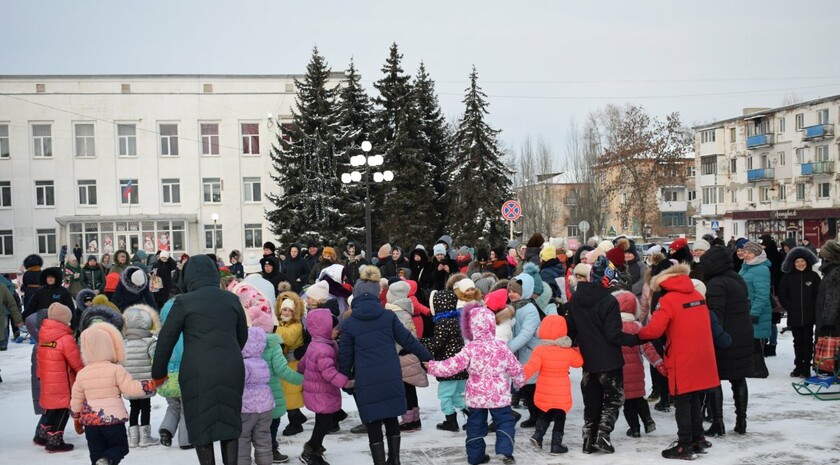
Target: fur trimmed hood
<point x="82" y="296"/>
<point x="675" y="270"/>
<point x="102" y="343"/>
<point x="53" y="271"/>
<point x="830" y="251"/>
<point x="477" y="322"/>
<point x="505" y="314"/>
<point x="297" y="302"/>
<point x="143" y="317"/>
<point x="454" y="278"/>
<point x="125" y="280"/>
<point x="797" y="253"/>
<point x="100" y="313"/>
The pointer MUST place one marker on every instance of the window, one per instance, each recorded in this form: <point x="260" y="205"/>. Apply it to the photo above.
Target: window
<point x="252" y="189"/>
<point x="708" y="165"/>
<point x="169" y="140"/>
<point x="129" y="192"/>
<point x="781" y="125"/>
<point x="707" y="136"/>
<point x="822" y="153"/>
<point x="6" y="242"/>
<point x="749" y="194"/>
<point x="572" y="231"/>
<point x="800" y="155"/>
<point x="800" y="191"/>
<point x="673" y="219"/>
<point x="733" y="196"/>
<point x="209" y="138"/>
<point x="213" y="234"/>
<point x="46" y="241"/>
<point x="782" y="192"/>
<point x="253" y="236"/>
<point x="733" y="166"/>
<point x="692" y="195"/>
<point x="4" y="141"/>
<point x="669" y="195"/>
<point x="44" y="194"/>
<point x="732" y="135"/>
<point x="691" y="171"/>
<point x="5" y="194"/>
<point x="251" y="138"/>
<point x="171" y="191"/>
<point x="212" y="188"/>
<point x="712" y="194"/>
<point x="749" y="163"/>
<point x="823" y="190"/>
<point x="780" y="158"/>
<point x="85" y="141"/>
<point x="87" y="192"/>
<point x="764" y="194"/>
<point x="800" y="121"/>
<point x="127" y="139"/>
<point x="42" y="140"/>
<point x="822" y="116"/>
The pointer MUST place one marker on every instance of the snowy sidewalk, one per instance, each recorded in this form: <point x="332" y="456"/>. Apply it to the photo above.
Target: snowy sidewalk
<point x="783" y="428"/>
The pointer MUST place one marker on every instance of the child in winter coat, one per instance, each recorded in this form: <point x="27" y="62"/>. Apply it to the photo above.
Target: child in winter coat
<point x="96" y="401"/>
<point x="635" y="405"/>
<point x="257" y="402"/>
<point x="491" y="367"/>
<point x="446" y="342"/>
<point x="321" y="381"/>
<point x="551" y="360"/>
<point x="58" y="363"/>
<point x="261" y="315"/>
<point x="141" y="322"/>
<point x="797" y="292"/>
<point x="289" y="310"/>
<point x="466" y="291"/>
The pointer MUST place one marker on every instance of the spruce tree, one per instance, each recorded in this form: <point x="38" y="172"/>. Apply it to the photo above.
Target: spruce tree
<point x="404" y="210"/>
<point x="355" y="119"/>
<point x="435" y="136"/>
<point x="306" y="167"/>
<point x="478" y="180"/>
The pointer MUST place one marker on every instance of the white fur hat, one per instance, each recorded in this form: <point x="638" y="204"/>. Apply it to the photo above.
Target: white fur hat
<point x="464" y="284"/>
<point x="319" y="291"/>
<point x="138" y="278"/>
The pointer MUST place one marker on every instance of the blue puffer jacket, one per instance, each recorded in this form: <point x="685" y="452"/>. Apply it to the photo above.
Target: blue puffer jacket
<point x="756" y="274"/>
<point x="525" y="326"/>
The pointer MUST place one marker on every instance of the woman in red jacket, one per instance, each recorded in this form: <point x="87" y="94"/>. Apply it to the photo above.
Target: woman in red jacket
<point x="58" y="362"/>
<point x="689" y="354"/>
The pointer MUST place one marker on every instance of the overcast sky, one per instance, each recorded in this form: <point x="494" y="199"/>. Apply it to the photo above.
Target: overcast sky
<point x="542" y="63"/>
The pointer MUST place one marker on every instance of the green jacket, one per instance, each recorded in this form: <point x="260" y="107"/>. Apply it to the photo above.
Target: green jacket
<point x="93" y="278"/>
<point x="757" y="277"/>
<point x="273" y="354"/>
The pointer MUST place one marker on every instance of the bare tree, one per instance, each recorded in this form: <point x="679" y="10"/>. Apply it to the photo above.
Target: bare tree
<point x="589" y="199"/>
<point x="535" y="163"/>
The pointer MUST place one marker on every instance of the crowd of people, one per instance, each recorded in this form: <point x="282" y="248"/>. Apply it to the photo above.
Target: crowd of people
<point x="236" y="347"/>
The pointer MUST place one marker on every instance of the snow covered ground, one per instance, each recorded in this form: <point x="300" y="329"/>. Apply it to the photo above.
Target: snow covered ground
<point x="783" y="428"/>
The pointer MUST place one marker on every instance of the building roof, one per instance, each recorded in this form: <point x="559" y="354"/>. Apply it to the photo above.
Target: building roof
<point x="767" y="111"/>
<point x="22" y="77"/>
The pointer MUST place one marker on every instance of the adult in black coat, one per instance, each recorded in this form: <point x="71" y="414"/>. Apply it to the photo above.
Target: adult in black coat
<point x="776" y="258"/>
<point x="297" y="268"/>
<point x="31" y="281"/>
<point x="797" y="292"/>
<point x="354" y="259"/>
<point x="164" y="268"/>
<point x="828" y="298"/>
<point x="391" y="268"/>
<point x="270" y="266"/>
<point x="728" y="298"/>
<point x="421" y="269"/>
<point x="133" y="288"/>
<point x="442" y="267"/>
<point x="212" y="375"/>
<point x="50" y="291"/>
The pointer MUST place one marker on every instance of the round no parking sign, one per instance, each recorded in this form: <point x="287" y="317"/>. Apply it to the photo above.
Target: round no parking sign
<point x="511" y="210"/>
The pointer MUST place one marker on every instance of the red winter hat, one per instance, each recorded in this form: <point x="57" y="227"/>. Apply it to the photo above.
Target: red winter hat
<point x="616" y="256"/>
<point x="496" y="300"/>
<point x="678" y="244"/>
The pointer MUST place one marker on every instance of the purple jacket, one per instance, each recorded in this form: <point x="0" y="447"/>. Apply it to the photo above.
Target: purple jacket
<point x="322" y="381"/>
<point x="257" y="396"/>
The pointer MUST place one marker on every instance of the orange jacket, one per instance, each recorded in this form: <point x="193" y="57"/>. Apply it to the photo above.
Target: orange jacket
<point x="58" y="362"/>
<point x="552" y="359"/>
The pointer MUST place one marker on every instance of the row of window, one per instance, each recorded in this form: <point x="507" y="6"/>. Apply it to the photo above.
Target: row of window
<point x="84" y="137"/>
<point x="708" y="164"/>
<point x="47" y="239"/>
<point x="714" y="194"/>
<point x="763" y="126"/>
<point x="130" y="191"/>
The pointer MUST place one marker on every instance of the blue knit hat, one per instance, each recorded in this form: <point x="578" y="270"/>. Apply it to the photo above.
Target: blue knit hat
<point x="740" y="243"/>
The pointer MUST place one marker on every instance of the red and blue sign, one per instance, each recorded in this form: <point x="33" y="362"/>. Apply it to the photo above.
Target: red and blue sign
<point x="511" y="210"/>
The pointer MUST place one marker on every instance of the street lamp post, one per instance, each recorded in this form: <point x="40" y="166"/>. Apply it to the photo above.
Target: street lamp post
<point x="355" y="176"/>
<point x="215" y="218"/>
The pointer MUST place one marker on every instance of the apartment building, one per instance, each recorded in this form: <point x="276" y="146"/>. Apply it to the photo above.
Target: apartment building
<point x="771" y="171"/>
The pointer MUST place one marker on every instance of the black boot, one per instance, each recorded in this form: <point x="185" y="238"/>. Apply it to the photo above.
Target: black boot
<point x="770" y="350"/>
<point x="55" y="442"/>
<point x="205" y="454"/>
<point x="741" y="396"/>
<point x="604" y="443"/>
<point x="276" y="456"/>
<point x="515" y="399"/>
<point x="165" y="437"/>
<point x="393" y="450"/>
<point x="533" y="415"/>
<point x="311" y="456"/>
<point x="296" y="421"/>
<point x="717" y="428"/>
<point x="679" y="450"/>
<point x="557" y="446"/>
<point x="539" y="432"/>
<point x="230" y="451"/>
<point x="450" y="424"/>
<point x="377" y="451"/>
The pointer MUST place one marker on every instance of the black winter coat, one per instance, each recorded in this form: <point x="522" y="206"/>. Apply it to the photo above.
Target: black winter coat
<point x="421" y="271"/>
<point x="798" y="295"/>
<point x="46" y="295"/>
<point x="297" y="271"/>
<point x="350" y="274"/>
<point x="727" y="297"/>
<point x="549" y="272"/>
<point x="828" y="300"/>
<point x="212" y="375"/>
<point x="446" y="340"/>
<point x="439" y="277"/>
<point x="594" y="322"/>
<point x="367" y="350"/>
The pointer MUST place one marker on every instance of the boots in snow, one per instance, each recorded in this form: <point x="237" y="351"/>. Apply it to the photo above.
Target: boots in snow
<point x="310" y="456"/>
<point x="104" y="461"/>
<point x="717" y="428"/>
<point x="740" y="393"/>
<point x="393" y="450"/>
<point x="650" y="425"/>
<point x="450" y="424"/>
<point x="603" y="443"/>
<point x="515" y="400"/>
<point x="41" y="435"/>
<point x="533" y="414"/>
<point x="296" y="421"/>
<point x="654" y="393"/>
<point x="679" y="450"/>
<point x="276" y="456"/>
<point x="133" y="436"/>
<point x="700" y="444"/>
<point x="377" y="451"/>
<point x="634" y="432"/>
<point x="358" y="429"/>
<point x="165" y="437"/>
<point x="55" y="442"/>
<point x="557" y="446"/>
<point x="539" y="433"/>
<point x="146" y="438"/>
<point x="770" y="350"/>
<point x="411" y="421"/>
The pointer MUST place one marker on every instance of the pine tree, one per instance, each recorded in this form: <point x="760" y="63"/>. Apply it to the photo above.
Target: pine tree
<point x="479" y="182"/>
<point x="306" y="167"/>
<point x="404" y="210"/>
<point x="355" y="114"/>
<point x="435" y="137"/>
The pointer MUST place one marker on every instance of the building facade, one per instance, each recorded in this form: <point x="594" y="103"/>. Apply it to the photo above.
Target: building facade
<point x="771" y="171"/>
<point x="137" y="162"/>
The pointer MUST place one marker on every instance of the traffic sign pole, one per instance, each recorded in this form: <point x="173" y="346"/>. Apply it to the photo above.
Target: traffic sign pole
<point x="511" y="211"/>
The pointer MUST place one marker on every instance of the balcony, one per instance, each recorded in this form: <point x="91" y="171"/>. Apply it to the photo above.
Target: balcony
<point x="820" y="167"/>
<point x="818" y="132"/>
<point x="673" y="206"/>
<point x="760" y="140"/>
<point x="761" y="174"/>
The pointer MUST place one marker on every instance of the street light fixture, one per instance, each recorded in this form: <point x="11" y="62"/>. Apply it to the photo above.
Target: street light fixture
<point x="367" y="162"/>
<point x="215" y="218"/>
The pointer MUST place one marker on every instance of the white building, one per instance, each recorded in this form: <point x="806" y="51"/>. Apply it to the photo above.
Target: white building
<point x="189" y="146"/>
<point x="771" y="171"/>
